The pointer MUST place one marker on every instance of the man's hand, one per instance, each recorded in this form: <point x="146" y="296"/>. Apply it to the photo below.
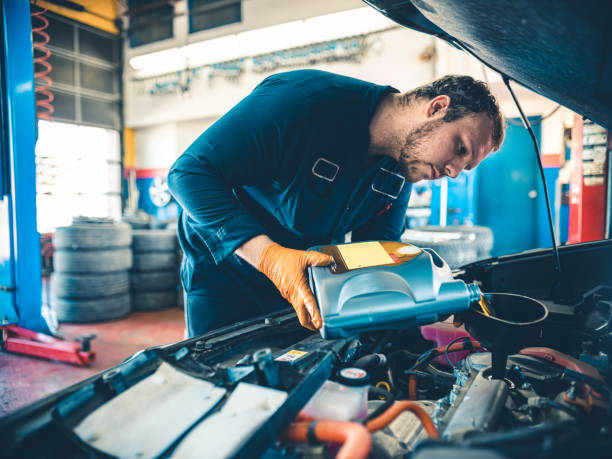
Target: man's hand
<point x="286" y="268"/>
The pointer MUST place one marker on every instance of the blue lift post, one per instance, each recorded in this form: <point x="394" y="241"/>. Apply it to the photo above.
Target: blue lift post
<point x="20" y="262"/>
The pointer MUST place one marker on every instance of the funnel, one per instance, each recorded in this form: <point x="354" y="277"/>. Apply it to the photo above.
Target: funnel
<point x="516" y="324"/>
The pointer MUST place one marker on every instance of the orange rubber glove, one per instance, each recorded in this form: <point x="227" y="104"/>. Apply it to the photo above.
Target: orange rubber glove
<point x="286" y="268"/>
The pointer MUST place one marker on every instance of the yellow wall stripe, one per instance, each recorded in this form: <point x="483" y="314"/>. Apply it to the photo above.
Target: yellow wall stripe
<point x="100" y="14"/>
<point x="129" y="158"/>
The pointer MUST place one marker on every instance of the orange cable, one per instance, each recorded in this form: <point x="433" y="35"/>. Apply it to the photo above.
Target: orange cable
<point x="459" y="347"/>
<point x="396" y="409"/>
<point x="355" y="438"/>
<point x="412" y="387"/>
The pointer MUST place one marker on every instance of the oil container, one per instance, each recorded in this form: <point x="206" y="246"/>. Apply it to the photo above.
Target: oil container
<point x="381" y="284"/>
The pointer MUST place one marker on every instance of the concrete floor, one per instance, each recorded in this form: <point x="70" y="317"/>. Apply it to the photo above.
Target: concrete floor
<point x="24" y="379"/>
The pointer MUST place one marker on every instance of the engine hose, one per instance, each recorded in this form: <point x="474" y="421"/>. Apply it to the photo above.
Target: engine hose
<point x="436" y="351"/>
<point x="43" y="82"/>
<point x="435" y="371"/>
<point x="356" y="440"/>
<point x="388" y="403"/>
<point x="412" y="387"/>
<point x="382" y="420"/>
<point x="388" y="416"/>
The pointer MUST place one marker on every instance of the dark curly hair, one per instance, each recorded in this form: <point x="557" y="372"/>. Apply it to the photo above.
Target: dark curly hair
<point x="467" y="96"/>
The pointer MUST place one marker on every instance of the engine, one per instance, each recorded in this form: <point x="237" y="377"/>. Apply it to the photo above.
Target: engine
<point x="549" y="403"/>
<point x="271" y="388"/>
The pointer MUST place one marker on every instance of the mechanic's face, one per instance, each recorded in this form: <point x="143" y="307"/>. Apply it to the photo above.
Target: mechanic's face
<point x="436" y="148"/>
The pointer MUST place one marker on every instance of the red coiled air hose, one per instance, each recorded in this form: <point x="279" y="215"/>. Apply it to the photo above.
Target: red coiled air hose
<point x="44" y="107"/>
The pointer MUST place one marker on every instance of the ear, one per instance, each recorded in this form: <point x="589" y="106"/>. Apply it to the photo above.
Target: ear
<point x="437" y="106"/>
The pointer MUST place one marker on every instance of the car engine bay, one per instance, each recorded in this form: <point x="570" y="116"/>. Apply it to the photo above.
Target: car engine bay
<point x="244" y="390"/>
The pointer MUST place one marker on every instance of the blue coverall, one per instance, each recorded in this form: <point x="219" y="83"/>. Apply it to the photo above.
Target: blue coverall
<point x="289" y="161"/>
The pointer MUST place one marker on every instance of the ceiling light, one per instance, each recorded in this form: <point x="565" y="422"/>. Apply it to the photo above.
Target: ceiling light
<point x="266" y="40"/>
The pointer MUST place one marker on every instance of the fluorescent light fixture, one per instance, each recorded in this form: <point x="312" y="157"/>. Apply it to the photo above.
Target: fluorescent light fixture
<point x="255" y="42"/>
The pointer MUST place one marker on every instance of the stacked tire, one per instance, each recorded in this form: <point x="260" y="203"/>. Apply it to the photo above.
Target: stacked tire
<point x="154" y="277"/>
<point x="91" y="261"/>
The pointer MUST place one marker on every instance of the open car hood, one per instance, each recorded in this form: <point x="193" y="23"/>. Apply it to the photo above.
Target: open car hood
<point x="558" y="49"/>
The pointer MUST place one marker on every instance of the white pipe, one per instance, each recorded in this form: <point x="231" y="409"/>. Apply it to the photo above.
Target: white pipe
<point x="443" y="201"/>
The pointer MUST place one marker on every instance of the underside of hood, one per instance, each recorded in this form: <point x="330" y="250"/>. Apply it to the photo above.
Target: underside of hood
<point x="559" y="49"/>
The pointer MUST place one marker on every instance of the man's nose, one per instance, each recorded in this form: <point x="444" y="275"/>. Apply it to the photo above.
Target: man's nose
<point x="454" y="168"/>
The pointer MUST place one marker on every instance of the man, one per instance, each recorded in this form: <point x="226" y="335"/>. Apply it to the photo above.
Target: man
<point x="307" y="157"/>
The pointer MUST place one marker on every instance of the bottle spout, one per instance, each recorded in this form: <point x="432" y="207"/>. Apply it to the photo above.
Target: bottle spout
<point x="474" y="292"/>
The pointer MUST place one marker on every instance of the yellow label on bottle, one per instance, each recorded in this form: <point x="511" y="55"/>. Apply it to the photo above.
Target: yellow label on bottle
<point x="364" y="255"/>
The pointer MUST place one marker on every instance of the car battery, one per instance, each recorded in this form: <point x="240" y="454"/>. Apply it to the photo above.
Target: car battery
<point x="381" y="285"/>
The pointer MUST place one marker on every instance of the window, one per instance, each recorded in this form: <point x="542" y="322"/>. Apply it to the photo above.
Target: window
<point x="78" y="172"/>
<point x="206" y="14"/>
<point x="98" y="46"/>
<point x="150" y="21"/>
<point x="78" y="156"/>
<point x="85" y="72"/>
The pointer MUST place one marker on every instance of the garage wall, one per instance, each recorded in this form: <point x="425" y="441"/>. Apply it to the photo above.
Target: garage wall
<point x="392" y="59"/>
<point x="398" y="57"/>
<point x="188" y="131"/>
<point x="160" y="143"/>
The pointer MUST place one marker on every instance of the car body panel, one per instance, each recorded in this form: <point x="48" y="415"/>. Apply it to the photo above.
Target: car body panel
<point x="559" y="49"/>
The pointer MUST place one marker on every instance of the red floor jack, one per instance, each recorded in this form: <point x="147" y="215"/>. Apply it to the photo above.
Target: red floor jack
<point x="23" y="341"/>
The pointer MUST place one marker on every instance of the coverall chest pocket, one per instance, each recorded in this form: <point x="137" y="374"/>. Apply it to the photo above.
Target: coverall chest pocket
<point x="385" y="188"/>
<point x="387" y="184"/>
<point x="322" y="177"/>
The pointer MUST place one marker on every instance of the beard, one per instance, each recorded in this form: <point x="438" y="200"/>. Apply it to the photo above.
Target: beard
<point x="411" y="165"/>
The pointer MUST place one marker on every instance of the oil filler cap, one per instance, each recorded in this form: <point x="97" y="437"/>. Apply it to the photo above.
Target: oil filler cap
<point x="353" y="377"/>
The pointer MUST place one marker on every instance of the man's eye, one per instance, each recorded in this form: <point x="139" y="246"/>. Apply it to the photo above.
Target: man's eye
<point x="462" y="150"/>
